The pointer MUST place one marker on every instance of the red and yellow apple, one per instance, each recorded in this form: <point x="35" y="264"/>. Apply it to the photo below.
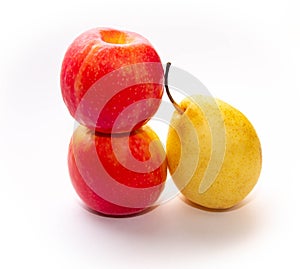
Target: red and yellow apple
<point x="119" y="174"/>
<point x="106" y="71"/>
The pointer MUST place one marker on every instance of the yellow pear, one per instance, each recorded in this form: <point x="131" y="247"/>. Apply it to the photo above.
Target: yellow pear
<point x="213" y="151"/>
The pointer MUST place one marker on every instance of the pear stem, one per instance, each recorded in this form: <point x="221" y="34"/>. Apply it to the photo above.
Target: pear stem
<point x="177" y="107"/>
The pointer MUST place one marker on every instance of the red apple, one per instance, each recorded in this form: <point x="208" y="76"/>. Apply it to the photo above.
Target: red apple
<point x="111" y="80"/>
<point x="119" y="174"/>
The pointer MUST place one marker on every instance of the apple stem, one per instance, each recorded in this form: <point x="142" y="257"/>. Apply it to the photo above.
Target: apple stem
<point x="177" y="107"/>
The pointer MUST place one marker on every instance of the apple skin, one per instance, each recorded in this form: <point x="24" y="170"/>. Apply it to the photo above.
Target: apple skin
<point x="117" y="174"/>
<point x="105" y="71"/>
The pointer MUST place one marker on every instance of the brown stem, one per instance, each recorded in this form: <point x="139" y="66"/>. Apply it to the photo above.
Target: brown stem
<point x="177" y="107"/>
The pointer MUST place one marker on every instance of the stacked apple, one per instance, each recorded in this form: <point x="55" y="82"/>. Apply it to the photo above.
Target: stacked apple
<point x="112" y="84"/>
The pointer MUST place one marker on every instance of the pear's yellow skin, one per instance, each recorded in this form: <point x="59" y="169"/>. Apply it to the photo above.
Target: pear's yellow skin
<point x="214" y="154"/>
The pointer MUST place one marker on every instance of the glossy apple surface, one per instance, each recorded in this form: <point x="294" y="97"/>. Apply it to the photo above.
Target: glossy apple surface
<point x="120" y="174"/>
<point x="111" y="80"/>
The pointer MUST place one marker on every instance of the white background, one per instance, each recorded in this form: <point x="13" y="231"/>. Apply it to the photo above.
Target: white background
<point x="245" y="52"/>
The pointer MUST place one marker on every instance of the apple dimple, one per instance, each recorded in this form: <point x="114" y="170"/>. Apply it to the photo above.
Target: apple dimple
<point x="115" y="37"/>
